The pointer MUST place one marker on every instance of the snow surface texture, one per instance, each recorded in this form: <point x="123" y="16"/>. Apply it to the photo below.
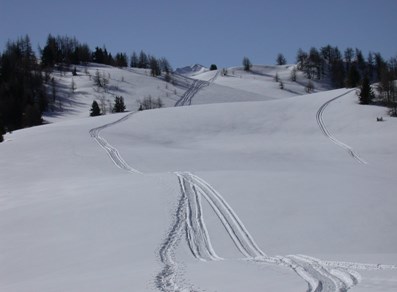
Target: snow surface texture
<point x="96" y="228"/>
<point x="319" y="275"/>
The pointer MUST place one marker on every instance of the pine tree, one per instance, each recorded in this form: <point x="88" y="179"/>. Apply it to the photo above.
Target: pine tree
<point x="119" y="105"/>
<point x="301" y="58"/>
<point x="366" y="93"/>
<point x="143" y="61"/>
<point x="95" y="110"/>
<point x="50" y="55"/>
<point x="165" y="65"/>
<point x="353" y="77"/>
<point x="134" y="60"/>
<point x="21" y="84"/>
<point x="247" y="64"/>
<point x="154" y="67"/>
<point x="121" y="60"/>
<point x="280" y="60"/>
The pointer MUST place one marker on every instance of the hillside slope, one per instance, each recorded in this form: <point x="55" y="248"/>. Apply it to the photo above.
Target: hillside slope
<point x="180" y="199"/>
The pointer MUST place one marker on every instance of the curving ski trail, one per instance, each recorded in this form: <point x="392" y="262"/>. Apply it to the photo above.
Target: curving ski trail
<point x="323" y="128"/>
<point x="166" y="280"/>
<point x="110" y="150"/>
<point x="188" y="220"/>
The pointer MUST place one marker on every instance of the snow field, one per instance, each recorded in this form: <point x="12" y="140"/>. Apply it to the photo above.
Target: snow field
<point x="272" y="201"/>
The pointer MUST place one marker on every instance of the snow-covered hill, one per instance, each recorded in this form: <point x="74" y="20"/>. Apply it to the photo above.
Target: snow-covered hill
<point x="131" y="83"/>
<point x="276" y="192"/>
<point x="191" y="70"/>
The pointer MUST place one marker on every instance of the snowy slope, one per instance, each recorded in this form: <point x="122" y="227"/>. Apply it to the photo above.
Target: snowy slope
<point x="248" y="196"/>
<point x="131" y="83"/>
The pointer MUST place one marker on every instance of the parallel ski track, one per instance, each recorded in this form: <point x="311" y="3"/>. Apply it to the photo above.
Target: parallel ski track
<point x="187" y="97"/>
<point x="323" y="128"/>
<point x="110" y="150"/>
<point x="195" y="87"/>
<point x="232" y="223"/>
<point x="196" y="231"/>
<point x="320" y="275"/>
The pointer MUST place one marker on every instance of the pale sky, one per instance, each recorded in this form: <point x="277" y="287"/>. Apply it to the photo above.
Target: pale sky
<point x="207" y="31"/>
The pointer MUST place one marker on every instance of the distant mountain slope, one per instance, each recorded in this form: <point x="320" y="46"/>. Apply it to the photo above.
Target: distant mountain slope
<point x="191" y="70"/>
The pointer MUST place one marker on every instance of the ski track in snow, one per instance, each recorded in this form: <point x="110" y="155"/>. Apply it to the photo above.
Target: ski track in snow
<point x="110" y="150"/>
<point x="323" y="128"/>
<point x="166" y="280"/>
<point x="320" y="275"/>
<point x="195" y="87"/>
<point x="229" y="219"/>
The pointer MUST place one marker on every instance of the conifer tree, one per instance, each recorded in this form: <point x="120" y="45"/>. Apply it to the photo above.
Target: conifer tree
<point x="280" y="60"/>
<point x="366" y="93"/>
<point x="119" y="105"/>
<point x="22" y="93"/>
<point x="143" y="61"/>
<point x="134" y="60"/>
<point x="247" y="64"/>
<point x="353" y="77"/>
<point x="154" y="67"/>
<point x="95" y="110"/>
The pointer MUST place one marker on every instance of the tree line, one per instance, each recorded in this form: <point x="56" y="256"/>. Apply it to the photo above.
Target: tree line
<point x="23" y="76"/>
<point x="23" y="97"/>
<point x="69" y="51"/>
<point x="349" y="68"/>
<point x="346" y="69"/>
